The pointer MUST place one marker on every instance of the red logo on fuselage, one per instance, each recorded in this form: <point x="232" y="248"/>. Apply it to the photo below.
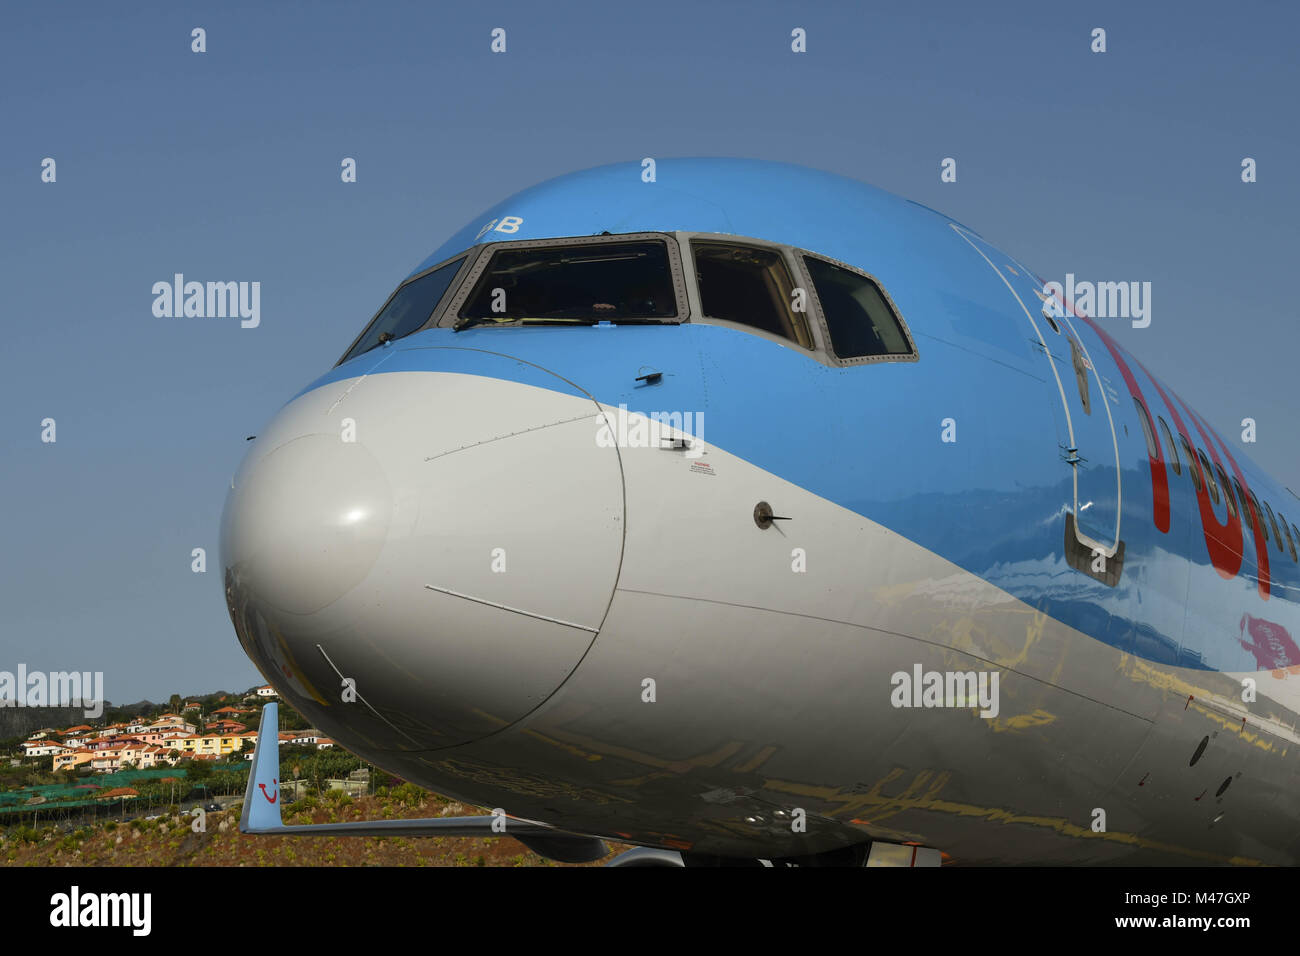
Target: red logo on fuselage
<point x="270" y="798"/>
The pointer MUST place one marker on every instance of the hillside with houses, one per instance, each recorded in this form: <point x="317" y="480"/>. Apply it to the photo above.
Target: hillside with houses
<point x="149" y="757"/>
<point x="164" y="739"/>
<point x="127" y="790"/>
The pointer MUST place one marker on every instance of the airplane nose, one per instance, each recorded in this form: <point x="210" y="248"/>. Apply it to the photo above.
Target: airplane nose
<point x="417" y="559"/>
<point x="310" y="522"/>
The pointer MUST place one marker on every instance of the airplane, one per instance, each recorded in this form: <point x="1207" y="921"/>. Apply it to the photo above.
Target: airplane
<point x="747" y="514"/>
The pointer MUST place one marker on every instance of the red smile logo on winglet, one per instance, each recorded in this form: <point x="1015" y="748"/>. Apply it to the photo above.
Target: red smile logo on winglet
<point x="269" y="797"/>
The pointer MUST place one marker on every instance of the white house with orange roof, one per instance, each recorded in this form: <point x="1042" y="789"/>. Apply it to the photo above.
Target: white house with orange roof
<point x="172" y="722"/>
<point x="43" y="748"/>
<point x="76" y="736"/>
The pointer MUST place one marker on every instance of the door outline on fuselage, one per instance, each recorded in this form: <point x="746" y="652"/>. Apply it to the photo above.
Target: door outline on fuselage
<point x="1110" y="549"/>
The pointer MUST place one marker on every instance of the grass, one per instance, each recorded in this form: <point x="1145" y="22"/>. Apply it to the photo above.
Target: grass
<point x="170" y="840"/>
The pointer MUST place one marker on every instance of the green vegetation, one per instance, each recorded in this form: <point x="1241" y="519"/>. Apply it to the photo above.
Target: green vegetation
<point x="171" y="840"/>
<point x="36" y="803"/>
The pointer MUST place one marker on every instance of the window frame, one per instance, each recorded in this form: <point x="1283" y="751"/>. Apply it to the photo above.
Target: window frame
<point x="1154" y="451"/>
<point x="1174" y="461"/>
<point x="1286" y="529"/>
<point x="487" y="250"/>
<point x="832" y="356"/>
<point x="1194" y="466"/>
<point x="466" y="254"/>
<point x="1207" y="471"/>
<point x="698" y="316"/>
<point x="1228" y="497"/>
<point x="685" y="289"/>
<point x="1246" y="512"/>
<point x="1276" y="534"/>
<point x="1258" y="516"/>
<point x="818" y="351"/>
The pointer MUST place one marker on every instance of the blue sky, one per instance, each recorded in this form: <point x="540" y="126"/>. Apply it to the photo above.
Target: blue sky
<point x="225" y="165"/>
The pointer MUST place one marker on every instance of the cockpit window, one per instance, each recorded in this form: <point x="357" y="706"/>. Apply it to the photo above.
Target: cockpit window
<point x="748" y="285"/>
<point x="408" y="308"/>
<point x="861" y="323"/>
<point x="574" y="283"/>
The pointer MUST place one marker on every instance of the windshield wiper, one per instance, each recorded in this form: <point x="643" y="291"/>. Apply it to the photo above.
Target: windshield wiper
<point x="521" y="320"/>
<point x="553" y="320"/>
<point x="462" y="324"/>
<point x="617" y="321"/>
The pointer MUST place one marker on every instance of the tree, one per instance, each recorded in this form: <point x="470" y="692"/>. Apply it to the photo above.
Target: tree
<point x="290" y="719"/>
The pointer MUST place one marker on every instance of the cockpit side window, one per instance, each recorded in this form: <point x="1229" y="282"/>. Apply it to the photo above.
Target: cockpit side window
<point x="748" y="285"/>
<point x="860" y="319"/>
<point x="407" y="309"/>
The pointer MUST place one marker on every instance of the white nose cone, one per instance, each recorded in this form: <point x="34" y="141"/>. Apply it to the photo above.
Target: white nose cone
<point x="453" y="563"/>
<point x="308" y="522"/>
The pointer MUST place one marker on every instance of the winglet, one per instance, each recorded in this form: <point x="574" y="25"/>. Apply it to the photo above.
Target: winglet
<point x="262" y="798"/>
